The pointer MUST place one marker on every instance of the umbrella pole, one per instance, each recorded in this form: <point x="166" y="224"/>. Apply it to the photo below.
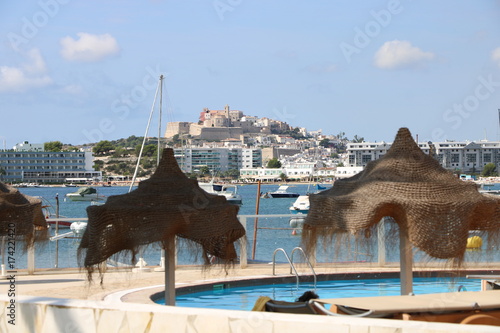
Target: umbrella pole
<point x="170" y="271"/>
<point x="158" y="156"/>
<point x="56" y="265"/>
<point x="256" y="222"/>
<point x="406" y="262"/>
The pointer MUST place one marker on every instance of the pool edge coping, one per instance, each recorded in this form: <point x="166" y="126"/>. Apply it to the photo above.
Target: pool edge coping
<point x="148" y="295"/>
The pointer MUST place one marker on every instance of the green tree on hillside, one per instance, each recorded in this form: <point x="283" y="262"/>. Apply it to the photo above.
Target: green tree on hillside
<point x="341" y="136"/>
<point x="489" y="170"/>
<point x="53" y="146"/>
<point x="358" y="139"/>
<point x="274" y="163"/>
<point x="120" y="152"/>
<point x="325" y="143"/>
<point x="294" y="133"/>
<point x="98" y="164"/>
<point x="149" y="150"/>
<point x="103" y="147"/>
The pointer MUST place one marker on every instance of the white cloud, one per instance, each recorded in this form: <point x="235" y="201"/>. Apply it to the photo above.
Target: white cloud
<point x="36" y="64"/>
<point x="32" y="74"/>
<point x="400" y="54"/>
<point x="495" y="56"/>
<point x="89" y="48"/>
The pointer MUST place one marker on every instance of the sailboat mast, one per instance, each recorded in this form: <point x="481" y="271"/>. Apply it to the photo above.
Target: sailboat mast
<point x="159" y="121"/>
<point x="145" y="135"/>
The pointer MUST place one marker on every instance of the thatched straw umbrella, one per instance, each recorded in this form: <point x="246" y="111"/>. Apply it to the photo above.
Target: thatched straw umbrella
<point x="162" y="207"/>
<point x="21" y="215"/>
<point x="434" y="209"/>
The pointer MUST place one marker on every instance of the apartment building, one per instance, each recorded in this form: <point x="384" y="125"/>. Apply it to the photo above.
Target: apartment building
<point x="217" y="159"/>
<point x="28" y="163"/>
<point x="464" y="156"/>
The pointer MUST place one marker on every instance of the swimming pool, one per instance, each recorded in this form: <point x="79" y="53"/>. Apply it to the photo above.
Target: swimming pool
<point x="243" y="298"/>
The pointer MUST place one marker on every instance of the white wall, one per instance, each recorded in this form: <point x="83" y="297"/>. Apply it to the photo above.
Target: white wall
<point x="52" y="315"/>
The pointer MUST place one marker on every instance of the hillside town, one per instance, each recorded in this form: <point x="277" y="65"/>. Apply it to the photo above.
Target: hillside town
<point x="232" y="145"/>
<point x="228" y="139"/>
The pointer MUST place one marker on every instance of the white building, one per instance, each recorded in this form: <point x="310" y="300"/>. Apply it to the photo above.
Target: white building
<point x="217" y="159"/>
<point x="263" y="174"/>
<point x="29" y="163"/>
<point x="464" y="156"/>
<point x="26" y="146"/>
<point x="329" y="172"/>
<point x="300" y="170"/>
<point x="292" y="170"/>
<point x="346" y="172"/>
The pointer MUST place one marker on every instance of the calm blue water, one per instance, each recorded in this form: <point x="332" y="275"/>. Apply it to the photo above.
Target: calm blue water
<point x="267" y="240"/>
<point x="244" y="298"/>
<point x="45" y="256"/>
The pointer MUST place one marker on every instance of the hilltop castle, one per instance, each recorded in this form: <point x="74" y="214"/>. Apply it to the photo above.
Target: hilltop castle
<point x="226" y="124"/>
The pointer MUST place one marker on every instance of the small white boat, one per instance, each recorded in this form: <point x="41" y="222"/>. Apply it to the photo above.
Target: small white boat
<point x="301" y="205"/>
<point x="230" y="192"/>
<point x="283" y="193"/>
<point x="232" y="196"/>
<point x="86" y="193"/>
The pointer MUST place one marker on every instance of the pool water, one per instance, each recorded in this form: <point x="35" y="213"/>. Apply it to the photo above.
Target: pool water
<point x="243" y="298"/>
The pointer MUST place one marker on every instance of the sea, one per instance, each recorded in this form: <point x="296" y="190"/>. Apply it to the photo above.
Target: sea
<point x="272" y="233"/>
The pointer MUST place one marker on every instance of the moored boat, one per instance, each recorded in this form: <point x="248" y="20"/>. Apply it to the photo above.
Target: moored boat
<point x="87" y="193"/>
<point x="282" y="192"/>
<point x="230" y="192"/>
<point x="301" y="205"/>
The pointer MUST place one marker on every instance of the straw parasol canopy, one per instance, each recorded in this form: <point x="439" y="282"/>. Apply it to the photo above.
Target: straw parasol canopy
<point x="162" y="207"/>
<point x="435" y="209"/>
<point x="21" y="215"/>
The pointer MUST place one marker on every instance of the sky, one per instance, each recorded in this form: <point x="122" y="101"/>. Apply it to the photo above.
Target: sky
<point x="84" y="71"/>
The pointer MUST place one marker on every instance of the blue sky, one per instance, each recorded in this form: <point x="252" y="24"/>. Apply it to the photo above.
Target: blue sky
<point x="83" y="71"/>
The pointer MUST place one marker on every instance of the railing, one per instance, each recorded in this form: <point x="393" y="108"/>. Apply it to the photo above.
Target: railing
<point x="307" y="261"/>
<point x="62" y="235"/>
<point x="292" y="267"/>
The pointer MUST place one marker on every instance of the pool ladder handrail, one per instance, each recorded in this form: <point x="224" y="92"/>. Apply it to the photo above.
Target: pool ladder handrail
<point x="307" y="261"/>
<point x="290" y="262"/>
<point x="292" y="267"/>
